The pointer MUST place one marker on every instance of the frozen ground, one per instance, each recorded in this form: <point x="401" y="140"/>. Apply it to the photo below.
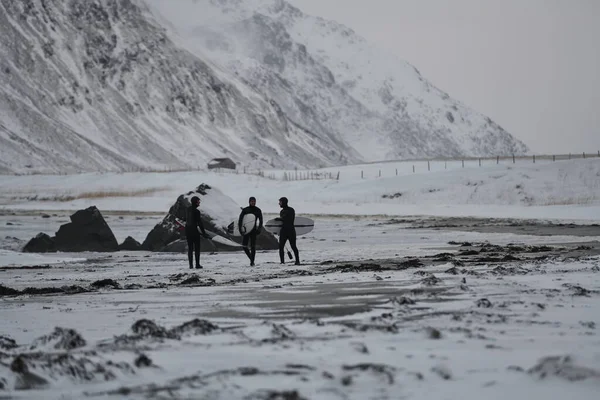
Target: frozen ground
<point x="382" y="308"/>
<point x="435" y="300"/>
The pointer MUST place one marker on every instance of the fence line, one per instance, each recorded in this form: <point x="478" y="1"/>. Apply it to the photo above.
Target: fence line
<point x="300" y="175"/>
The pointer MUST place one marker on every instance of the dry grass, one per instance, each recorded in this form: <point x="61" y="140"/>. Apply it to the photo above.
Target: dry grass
<point x="101" y="194"/>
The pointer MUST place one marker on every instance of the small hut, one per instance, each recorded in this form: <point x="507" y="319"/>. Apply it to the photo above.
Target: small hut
<point x="221" y="163"/>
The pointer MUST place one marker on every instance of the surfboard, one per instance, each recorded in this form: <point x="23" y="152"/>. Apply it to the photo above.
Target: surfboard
<point x="249" y="222"/>
<point x="302" y="225"/>
<point x="213" y="236"/>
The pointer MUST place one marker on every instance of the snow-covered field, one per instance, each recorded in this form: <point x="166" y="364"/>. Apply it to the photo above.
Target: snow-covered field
<point x="380" y="309"/>
<point x="548" y="190"/>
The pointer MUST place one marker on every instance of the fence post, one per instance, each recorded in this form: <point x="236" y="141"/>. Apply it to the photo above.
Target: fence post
<point x="513" y="158"/>
<point x="534" y="158"/>
<point x="480" y="162"/>
<point x="397" y="168"/>
<point x="361" y="174"/>
<point x="338" y="176"/>
<point x="413" y="168"/>
<point x="428" y="166"/>
<point x="380" y="173"/>
<point x="584" y="154"/>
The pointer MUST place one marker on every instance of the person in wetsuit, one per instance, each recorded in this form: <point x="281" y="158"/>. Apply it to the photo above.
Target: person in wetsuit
<point x="193" y="228"/>
<point x="287" y="215"/>
<point x="251" y="236"/>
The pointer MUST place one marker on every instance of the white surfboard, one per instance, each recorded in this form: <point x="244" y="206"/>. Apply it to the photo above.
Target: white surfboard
<point x="213" y="236"/>
<point x="302" y="225"/>
<point x="249" y="223"/>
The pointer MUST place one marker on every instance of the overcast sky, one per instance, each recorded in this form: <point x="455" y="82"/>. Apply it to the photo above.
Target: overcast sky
<point x="533" y="66"/>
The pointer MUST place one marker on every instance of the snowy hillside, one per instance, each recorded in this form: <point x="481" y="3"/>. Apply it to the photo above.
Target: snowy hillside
<point x="100" y="86"/>
<point x="119" y="85"/>
<point x="327" y="77"/>
<point x="566" y="190"/>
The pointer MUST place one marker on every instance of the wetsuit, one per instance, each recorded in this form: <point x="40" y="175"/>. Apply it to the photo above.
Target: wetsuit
<point x="193" y="227"/>
<point x="251" y="237"/>
<point x="287" y="216"/>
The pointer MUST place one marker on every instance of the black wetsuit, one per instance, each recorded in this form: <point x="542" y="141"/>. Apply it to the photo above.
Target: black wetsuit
<point x="288" y="232"/>
<point x="251" y="237"/>
<point x="193" y="222"/>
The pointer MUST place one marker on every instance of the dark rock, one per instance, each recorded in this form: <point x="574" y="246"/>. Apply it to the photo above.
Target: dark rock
<point x="148" y="328"/>
<point x="433" y="333"/>
<point x="45" y="216"/>
<point x="130" y="244"/>
<point x="412" y="263"/>
<point x="87" y="231"/>
<point x="164" y="233"/>
<point x="194" y="327"/>
<point x="7" y="343"/>
<point x="431" y="280"/>
<point x="452" y="271"/>
<point x="442" y="371"/>
<point x="60" y="339"/>
<point x="6" y="291"/>
<point x="25" y="379"/>
<point x="42" y="243"/>
<point x="195" y="280"/>
<point x="444" y="257"/>
<point x="105" y="283"/>
<point x="73" y="289"/>
<point x="484" y="303"/>
<point x="143" y="361"/>
<point x="402" y="300"/>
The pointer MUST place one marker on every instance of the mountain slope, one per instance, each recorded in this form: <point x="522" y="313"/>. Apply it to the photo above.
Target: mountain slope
<point x="100" y="86"/>
<point x="141" y="84"/>
<point x="379" y="104"/>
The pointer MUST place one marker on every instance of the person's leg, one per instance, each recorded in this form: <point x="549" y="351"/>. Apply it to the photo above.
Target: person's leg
<point x="245" y="239"/>
<point x="197" y="251"/>
<point x="292" y="239"/>
<point x="282" y="240"/>
<point x="190" y="246"/>
<point x="252" y="247"/>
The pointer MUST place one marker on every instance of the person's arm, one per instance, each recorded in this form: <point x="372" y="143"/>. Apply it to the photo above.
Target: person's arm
<point x="260" y="218"/>
<point x="200" y="224"/>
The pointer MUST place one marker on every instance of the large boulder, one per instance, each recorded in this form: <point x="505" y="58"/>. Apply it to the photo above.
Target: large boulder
<point x="87" y="231"/>
<point x="42" y="243"/>
<point x="216" y="210"/>
<point x="130" y="244"/>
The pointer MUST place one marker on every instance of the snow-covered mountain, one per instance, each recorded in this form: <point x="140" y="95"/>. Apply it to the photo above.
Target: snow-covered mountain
<point x="125" y="84"/>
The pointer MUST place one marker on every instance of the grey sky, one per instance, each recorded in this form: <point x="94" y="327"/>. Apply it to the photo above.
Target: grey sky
<point x="531" y="65"/>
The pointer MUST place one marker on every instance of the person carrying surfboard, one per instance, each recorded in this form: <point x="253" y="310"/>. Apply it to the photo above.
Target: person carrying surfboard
<point x="193" y="228"/>
<point x="251" y="235"/>
<point x="287" y="215"/>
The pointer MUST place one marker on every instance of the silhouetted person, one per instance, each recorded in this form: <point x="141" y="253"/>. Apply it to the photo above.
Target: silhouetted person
<point x="287" y="215"/>
<point x="193" y="228"/>
<point x="251" y="236"/>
